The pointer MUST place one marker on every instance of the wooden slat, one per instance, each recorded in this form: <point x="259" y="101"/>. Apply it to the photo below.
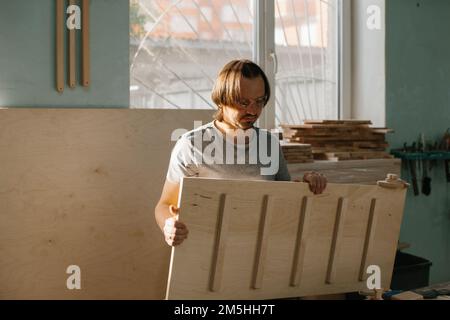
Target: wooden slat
<point x="60" y="27"/>
<point x="220" y="244"/>
<point x="261" y="251"/>
<point x="85" y="29"/>
<point x="72" y="54"/>
<point x="336" y="240"/>
<point x="301" y="242"/>
<point x="368" y="242"/>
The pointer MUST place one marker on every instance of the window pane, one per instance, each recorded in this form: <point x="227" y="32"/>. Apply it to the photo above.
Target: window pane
<point x="178" y="47"/>
<point x="307" y="48"/>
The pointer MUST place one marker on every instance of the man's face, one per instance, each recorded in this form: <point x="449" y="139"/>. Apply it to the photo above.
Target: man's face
<point x="248" y="109"/>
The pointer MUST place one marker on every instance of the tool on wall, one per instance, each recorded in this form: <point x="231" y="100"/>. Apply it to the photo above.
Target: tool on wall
<point x="421" y="157"/>
<point x="426" y="180"/>
<point x="413" y="166"/>
<point x="445" y="144"/>
<point x="447" y="170"/>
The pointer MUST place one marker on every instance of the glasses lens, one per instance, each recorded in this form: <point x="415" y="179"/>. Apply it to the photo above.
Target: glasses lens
<point x="259" y="103"/>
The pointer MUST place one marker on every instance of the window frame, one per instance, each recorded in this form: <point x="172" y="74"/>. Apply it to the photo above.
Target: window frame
<point x="344" y="62"/>
<point x="264" y="54"/>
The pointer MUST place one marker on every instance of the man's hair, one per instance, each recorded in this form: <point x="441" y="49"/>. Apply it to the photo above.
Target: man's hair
<point x="227" y="89"/>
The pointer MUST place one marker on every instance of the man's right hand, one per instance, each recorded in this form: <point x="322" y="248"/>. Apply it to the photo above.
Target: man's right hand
<point x="175" y="232"/>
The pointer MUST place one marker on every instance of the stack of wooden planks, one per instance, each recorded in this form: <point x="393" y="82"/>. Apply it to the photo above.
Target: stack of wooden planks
<point x="297" y="152"/>
<point x="338" y="140"/>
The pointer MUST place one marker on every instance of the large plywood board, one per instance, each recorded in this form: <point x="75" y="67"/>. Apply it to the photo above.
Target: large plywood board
<point x="267" y="240"/>
<point x="79" y="187"/>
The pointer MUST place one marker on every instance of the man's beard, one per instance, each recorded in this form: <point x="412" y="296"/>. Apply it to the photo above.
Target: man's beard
<point x="247" y="124"/>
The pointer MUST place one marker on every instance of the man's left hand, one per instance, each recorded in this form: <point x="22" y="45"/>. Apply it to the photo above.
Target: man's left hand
<point x="317" y="182"/>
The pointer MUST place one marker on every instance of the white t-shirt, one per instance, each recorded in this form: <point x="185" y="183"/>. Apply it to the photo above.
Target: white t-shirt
<point x="206" y="152"/>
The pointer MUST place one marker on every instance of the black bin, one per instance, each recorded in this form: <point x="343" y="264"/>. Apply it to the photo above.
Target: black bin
<point x="410" y="272"/>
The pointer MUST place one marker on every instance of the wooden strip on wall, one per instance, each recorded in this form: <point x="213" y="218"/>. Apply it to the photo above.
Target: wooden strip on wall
<point x="336" y="241"/>
<point x="263" y="237"/>
<point x="72" y="54"/>
<point x="368" y="243"/>
<point x="60" y="45"/>
<point x="86" y="59"/>
<point x="220" y="244"/>
<point x="301" y="241"/>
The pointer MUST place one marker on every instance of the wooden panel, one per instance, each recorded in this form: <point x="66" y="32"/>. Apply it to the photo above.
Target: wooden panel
<point x="79" y="187"/>
<point x="334" y="226"/>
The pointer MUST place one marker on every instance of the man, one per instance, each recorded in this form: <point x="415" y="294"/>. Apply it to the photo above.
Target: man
<point x="240" y="93"/>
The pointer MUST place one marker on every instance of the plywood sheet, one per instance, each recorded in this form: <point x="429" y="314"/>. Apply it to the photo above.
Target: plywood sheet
<point x="79" y="187"/>
<point x="266" y="240"/>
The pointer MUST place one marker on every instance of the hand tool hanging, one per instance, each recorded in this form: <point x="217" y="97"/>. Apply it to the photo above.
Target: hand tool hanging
<point x="426" y="180"/>
<point x="412" y="165"/>
<point x="405" y="162"/>
<point x="447" y="170"/>
<point x="446" y="147"/>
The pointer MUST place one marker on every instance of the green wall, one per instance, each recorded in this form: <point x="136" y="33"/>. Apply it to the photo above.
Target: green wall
<point x="418" y="101"/>
<point x="27" y="46"/>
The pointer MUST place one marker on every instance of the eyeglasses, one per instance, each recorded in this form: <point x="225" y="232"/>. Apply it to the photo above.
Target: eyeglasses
<point x="246" y="103"/>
